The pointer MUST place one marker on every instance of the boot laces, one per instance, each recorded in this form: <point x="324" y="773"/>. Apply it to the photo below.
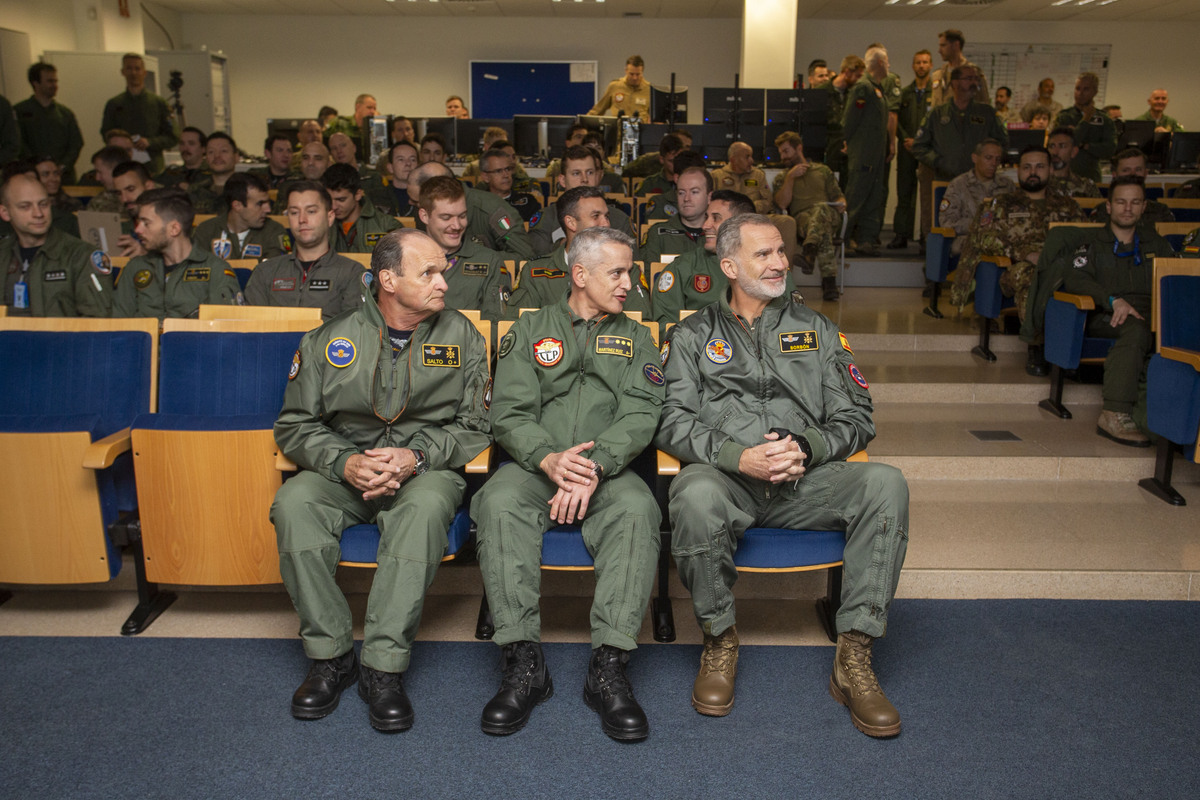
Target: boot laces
<point x="610" y="675"/>
<point x="520" y="664"/>
<point x="718" y="655"/>
<point x="856" y="661"/>
<point x="329" y="669"/>
<point x="378" y="682"/>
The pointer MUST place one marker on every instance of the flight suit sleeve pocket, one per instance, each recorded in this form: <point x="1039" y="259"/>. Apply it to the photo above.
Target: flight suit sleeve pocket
<point x="854" y="382"/>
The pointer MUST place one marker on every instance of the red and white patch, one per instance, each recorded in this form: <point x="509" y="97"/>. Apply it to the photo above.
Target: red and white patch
<point x="857" y="376"/>
<point x="548" y="351"/>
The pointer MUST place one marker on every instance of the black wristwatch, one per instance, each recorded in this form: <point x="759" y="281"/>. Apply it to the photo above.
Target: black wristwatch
<point x="422" y="464"/>
<point x="800" y="440"/>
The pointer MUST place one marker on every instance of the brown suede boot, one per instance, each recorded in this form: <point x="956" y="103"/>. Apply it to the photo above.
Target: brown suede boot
<point x="712" y="693"/>
<point x="854" y="685"/>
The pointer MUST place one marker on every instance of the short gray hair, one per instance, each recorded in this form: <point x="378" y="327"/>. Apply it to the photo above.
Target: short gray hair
<point x="389" y="251"/>
<point x="729" y="235"/>
<point x="586" y="247"/>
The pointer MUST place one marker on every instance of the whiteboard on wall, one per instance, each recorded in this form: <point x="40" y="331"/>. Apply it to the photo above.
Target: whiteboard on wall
<point x="1021" y="67"/>
<point x="503" y="89"/>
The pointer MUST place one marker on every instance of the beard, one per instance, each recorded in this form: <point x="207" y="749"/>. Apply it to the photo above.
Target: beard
<point x="1033" y="183"/>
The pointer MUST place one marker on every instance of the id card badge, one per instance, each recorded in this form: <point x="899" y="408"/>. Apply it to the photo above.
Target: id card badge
<point x="21" y="295"/>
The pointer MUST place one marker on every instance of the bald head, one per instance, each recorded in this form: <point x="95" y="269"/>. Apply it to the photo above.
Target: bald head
<point x="741" y="158"/>
<point x="342" y="149"/>
<point x="314" y="160"/>
<point x="422" y="174"/>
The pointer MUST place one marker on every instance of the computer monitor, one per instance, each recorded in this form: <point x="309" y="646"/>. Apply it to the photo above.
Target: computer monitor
<point x="720" y="105"/>
<point x="536" y="136"/>
<point x="1185" y="151"/>
<point x="469" y="134"/>
<point x="443" y="125"/>
<point x="1138" y="133"/>
<point x="651" y="136"/>
<point x="379" y="137"/>
<point x="1021" y="138"/>
<point x="664" y="106"/>
<point x="608" y="127"/>
<point x="797" y="108"/>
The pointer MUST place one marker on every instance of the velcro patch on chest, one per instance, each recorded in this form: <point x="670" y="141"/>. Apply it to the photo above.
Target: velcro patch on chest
<point x="56" y="275"/>
<point x="614" y="346"/>
<point x="283" y="285"/>
<point x="252" y="251"/>
<point x="372" y="239"/>
<point x="318" y="285"/>
<point x="196" y="274"/>
<point x="547" y="272"/>
<point x="479" y="270"/>
<point x="977" y="120"/>
<point x="440" y="355"/>
<point x="798" y="341"/>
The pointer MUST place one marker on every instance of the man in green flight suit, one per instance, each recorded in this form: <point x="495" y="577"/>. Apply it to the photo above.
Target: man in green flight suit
<point x="358" y="226"/>
<point x="1095" y="133"/>
<point x="245" y="231"/>
<point x="382" y="407"/>
<point x="543" y="281"/>
<point x="764" y="405"/>
<point x="175" y="277"/>
<point x="312" y="273"/>
<point x="838" y="88"/>
<point x="577" y="397"/>
<point x="48" y="273"/>
<point x="476" y="276"/>
<point x="683" y="232"/>
<point x="952" y="130"/>
<point x="865" y="127"/>
<point x="490" y="220"/>
<point x="142" y="113"/>
<point x="914" y="105"/>
<point x="48" y="128"/>
<point x="578" y="169"/>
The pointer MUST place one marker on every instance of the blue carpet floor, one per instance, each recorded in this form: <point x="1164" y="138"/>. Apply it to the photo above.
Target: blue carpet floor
<point x="1012" y="699"/>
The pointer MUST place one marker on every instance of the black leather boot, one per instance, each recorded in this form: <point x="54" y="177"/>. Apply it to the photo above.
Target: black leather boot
<point x="323" y="686"/>
<point x="526" y="683"/>
<point x="607" y="692"/>
<point x="388" y="707"/>
<point x="829" y="288"/>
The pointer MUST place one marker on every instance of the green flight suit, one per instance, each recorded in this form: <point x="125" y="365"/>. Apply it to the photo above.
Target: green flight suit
<point x="948" y="136"/>
<point x="1154" y="212"/>
<point x="545" y="233"/>
<point x="1166" y="121"/>
<point x="349" y="391"/>
<point x="562" y="381"/>
<point x="10" y="133"/>
<point x="146" y="115"/>
<point x="206" y="197"/>
<point x="273" y="181"/>
<point x="50" y="131"/>
<point x="365" y="233"/>
<point x="545" y="280"/>
<point x="669" y="237"/>
<point x="178" y="175"/>
<point x="914" y="105"/>
<point x="729" y="381"/>
<point x="476" y="278"/>
<point x="1104" y="274"/>
<point x="865" y="128"/>
<point x="656" y="183"/>
<point x="334" y="283"/>
<point x="1095" y="135"/>
<point x="693" y="281"/>
<point x="270" y="240"/>
<point x="497" y="224"/>
<point x="643" y="166"/>
<point x="67" y="278"/>
<point x="149" y="288"/>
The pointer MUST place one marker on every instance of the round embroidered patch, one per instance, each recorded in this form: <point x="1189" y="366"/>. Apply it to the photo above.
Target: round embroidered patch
<point x="718" y="351"/>
<point x="295" y="370"/>
<point x="367" y="278"/>
<point x="666" y="281"/>
<point x="619" y="97"/>
<point x="142" y="278"/>
<point x="340" y="352"/>
<point x="548" y="351"/>
<point x="857" y="376"/>
<point x="101" y="262"/>
<point x="506" y="344"/>
<point x="664" y="353"/>
<point x="653" y="374"/>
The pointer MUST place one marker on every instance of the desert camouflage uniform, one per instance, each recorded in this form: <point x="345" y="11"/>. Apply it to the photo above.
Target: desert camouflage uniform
<point x="1011" y="225"/>
<point x="816" y="221"/>
<point x="962" y="200"/>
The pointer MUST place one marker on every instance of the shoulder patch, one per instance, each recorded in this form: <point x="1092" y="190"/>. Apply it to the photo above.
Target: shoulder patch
<point x="222" y="248"/>
<point x="666" y="280"/>
<point x="440" y="355"/>
<point x="653" y="374"/>
<point x="547" y="272"/>
<point x="845" y="344"/>
<point x="367" y="278"/>
<point x="142" y="278"/>
<point x="295" y="370"/>
<point x="506" y="344"/>
<point x="857" y="376"/>
<point x="548" y="351"/>
<point x="701" y="283"/>
<point x="101" y="262"/>
<point x="718" y="351"/>
<point x="340" y="352"/>
<point x="664" y="353"/>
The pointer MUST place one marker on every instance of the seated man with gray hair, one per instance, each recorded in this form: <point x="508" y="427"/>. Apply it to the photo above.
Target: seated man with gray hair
<point x="577" y="396"/>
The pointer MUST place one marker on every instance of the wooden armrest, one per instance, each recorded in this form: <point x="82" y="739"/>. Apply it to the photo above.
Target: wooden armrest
<point x="667" y="464"/>
<point x="1000" y="261"/>
<point x="947" y="232"/>
<point x="861" y="455"/>
<point x="1179" y="354"/>
<point x="1081" y="301"/>
<point x="101" y="454"/>
<point x="480" y="464"/>
<point x="283" y="463"/>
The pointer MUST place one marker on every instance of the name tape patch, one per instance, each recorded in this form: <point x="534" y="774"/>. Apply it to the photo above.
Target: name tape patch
<point x="440" y="355"/>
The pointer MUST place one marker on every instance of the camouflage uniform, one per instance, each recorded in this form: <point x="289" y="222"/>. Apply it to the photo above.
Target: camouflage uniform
<point x="109" y="202"/>
<point x="816" y="221"/>
<point x="206" y="197"/>
<point x="1011" y="225"/>
<point x="961" y="203"/>
<point x="1074" y="186"/>
<point x="348" y="126"/>
<point x="753" y="184"/>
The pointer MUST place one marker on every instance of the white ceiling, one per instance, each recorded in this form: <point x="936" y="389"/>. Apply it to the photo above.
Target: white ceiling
<point x="993" y="10"/>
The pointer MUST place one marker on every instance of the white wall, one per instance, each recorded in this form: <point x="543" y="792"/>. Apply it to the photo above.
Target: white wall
<point x="291" y="66"/>
<point x="49" y="23"/>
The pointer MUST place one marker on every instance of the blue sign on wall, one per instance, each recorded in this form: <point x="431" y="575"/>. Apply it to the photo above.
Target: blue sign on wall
<point x="503" y="89"/>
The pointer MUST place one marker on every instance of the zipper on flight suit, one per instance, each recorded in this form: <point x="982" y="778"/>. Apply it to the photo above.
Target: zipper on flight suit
<point x="583" y="350"/>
